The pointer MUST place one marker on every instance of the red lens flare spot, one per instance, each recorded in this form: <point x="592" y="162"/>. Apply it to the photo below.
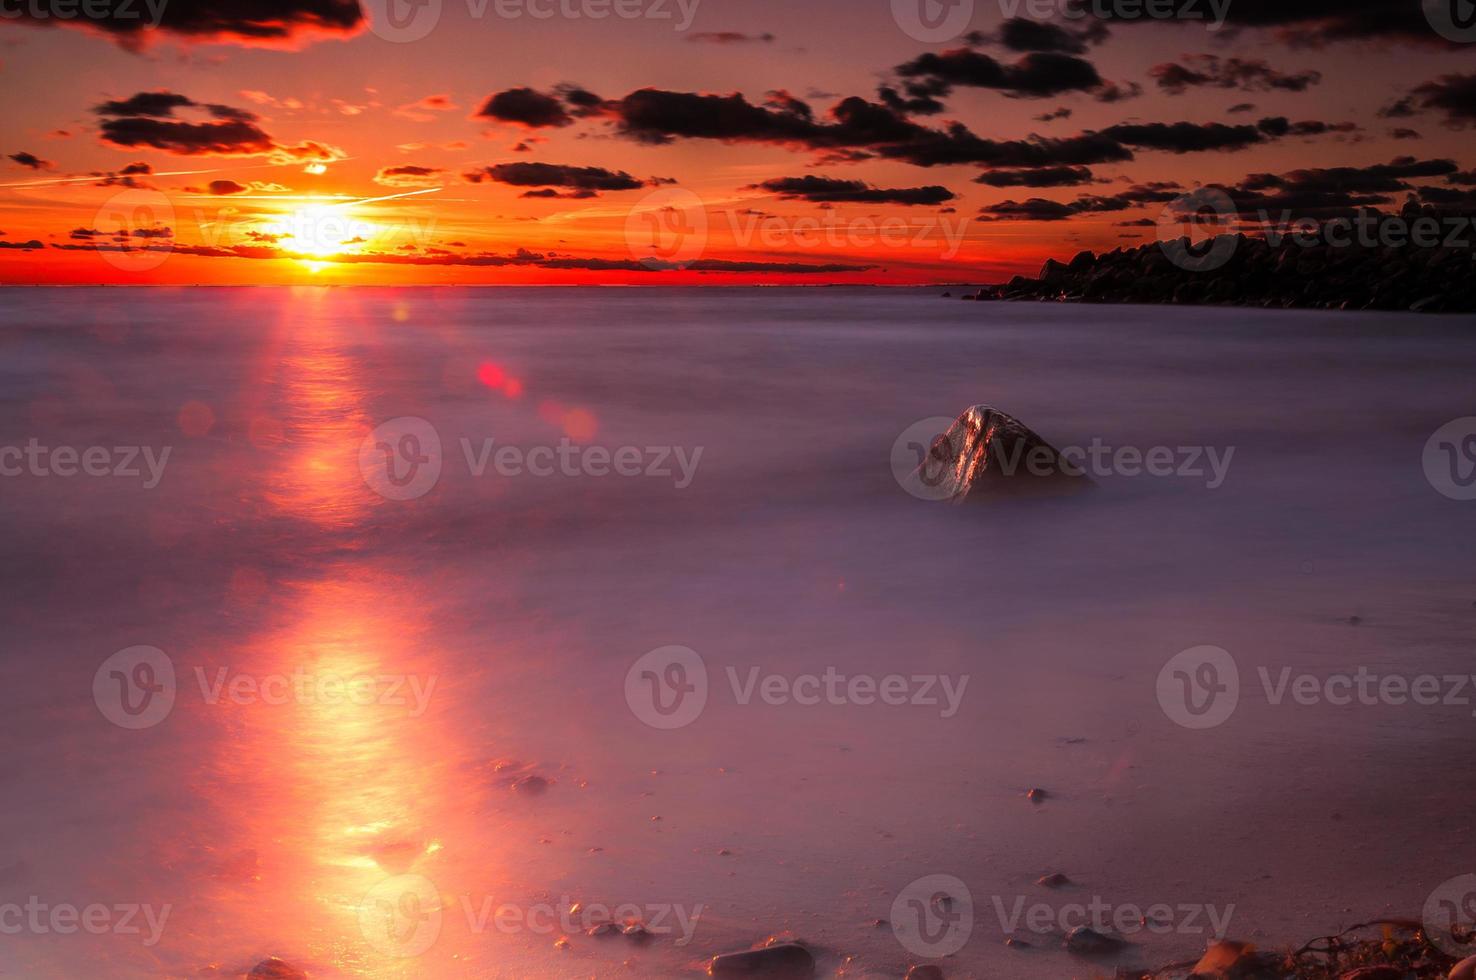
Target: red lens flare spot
<point x="196" y="419"/>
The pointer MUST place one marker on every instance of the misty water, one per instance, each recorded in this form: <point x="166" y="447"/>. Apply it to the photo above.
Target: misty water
<point x="403" y="736"/>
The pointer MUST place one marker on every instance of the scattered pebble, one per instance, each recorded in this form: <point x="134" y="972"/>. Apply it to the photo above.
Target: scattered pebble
<point x="1089" y="942"/>
<point x="272" y="968"/>
<point x="1037" y="795"/>
<point x="785" y="961"/>
<point x="562" y="942"/>
<point x="604" y="929"/>
<point x="1053" y="880"/>
<point x="1014" y="943"/>
<point x="1464" y="970"/>
<point x="637" y="933"/>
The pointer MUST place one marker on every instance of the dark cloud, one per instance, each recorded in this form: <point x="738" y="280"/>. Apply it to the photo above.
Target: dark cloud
<point x="578" y="182"/>
<point x="1241" y="107"/>
<point x="1040" y="209"/>
<point x="148" y="119"/>
<point x="31" y="161"/>
<point x="1454" y="95"/>
<point x="526" y="107"/>
<point x="1327" y="192"/>
<point x="1404" y="133"/>
<point x="828" y="189"/>
<point x="265" y="22"/>
<point x="409" y="175"/>
<point x="1306" y="23"/>
<point x="1023" y="34"/>
<point x="1039" y="74"/>
<point x="1278" y="126"/>
<point x="1038" y="177"/>
<point x="29" y="246"/>
<point x="729" y="37"/>
<point x="1059" y="113"/>
<point x="1210" y="71"/>
<point x="1185" y="137"/>
<point x="221" y="188"/>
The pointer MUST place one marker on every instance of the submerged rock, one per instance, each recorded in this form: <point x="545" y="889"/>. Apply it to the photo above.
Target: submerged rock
<point x="986" y="449"/>
<point x="785" y="961"/>
<point x="272" y="968"/>
<point x="925" y="971"/>
<point x="1089" y="942"/>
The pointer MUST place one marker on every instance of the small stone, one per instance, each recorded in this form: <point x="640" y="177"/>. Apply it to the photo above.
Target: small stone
<point x="637" y="933"/>
<point x="1464" y="970"/>
<point x="879" y="923"/>
<point x="784" y="961"/>
<point x="604" y="929"/>
<point x="272" y="968"/>
<point x="1089" y="942"/>
<point x="530" y="785"/>
<point x="1037" y="795"/>
<point x="925" y="971"/>
<point x="1053" y="880"/>
<point x="1381" y="972"/>
<point x="1014" y="943"/>
<point x="562" y="942"/>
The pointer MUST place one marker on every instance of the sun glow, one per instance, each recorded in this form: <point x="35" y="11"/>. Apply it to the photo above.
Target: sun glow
<point x="320" y="231"/>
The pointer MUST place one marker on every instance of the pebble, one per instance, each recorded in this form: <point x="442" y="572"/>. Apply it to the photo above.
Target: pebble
<point x="925" y="971"/>
<point x="785" y="961"/>
<point x="272" y="968"/>
<point x="1054" y="880"/>
<point x="1382" y="972"/>
<point x="1089" y="942"/>
<point x="1464" y="970"/>
<point x="637" y="933"/>
<point x="1037" y="795"/>
<point x="604" y="929"/>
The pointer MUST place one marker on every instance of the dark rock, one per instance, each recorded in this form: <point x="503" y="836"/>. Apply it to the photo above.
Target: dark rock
<point x="784" y="961"/>
<point x="1082" y="261"/>
<point x="925" y="971"/>
<point x="946" y="294"/>
<point x="604" y="929"/>
<point x="637" y="933"/>
<point x="1037" y="795"/>
<point x="272" y="968"/>
<point x="1053" y="880"/>
<point x="986" y="449"/>
<point x="1085" y="941"/>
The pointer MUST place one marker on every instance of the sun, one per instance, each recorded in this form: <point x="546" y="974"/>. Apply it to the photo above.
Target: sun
<point x="316" y="232"/>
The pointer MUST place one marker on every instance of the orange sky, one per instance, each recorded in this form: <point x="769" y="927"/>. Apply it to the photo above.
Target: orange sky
<point x="274" y="160"/>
